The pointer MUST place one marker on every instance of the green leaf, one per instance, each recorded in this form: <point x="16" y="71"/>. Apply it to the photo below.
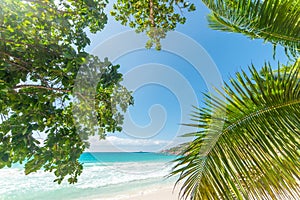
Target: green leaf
<point x="247" y="144"/>
<point x="5" y="157"/>
<point x="273" y="21"/>
<point x="157" y="17"/>
<point x="43" y="81"/>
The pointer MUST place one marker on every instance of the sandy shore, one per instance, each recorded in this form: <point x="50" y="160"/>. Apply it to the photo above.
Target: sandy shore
<point x="154" y="192"/>
<point x="157" y="193"/>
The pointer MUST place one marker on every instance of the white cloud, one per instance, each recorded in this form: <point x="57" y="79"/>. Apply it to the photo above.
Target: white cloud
<point x="129" y="141"/>
<point x="113" y="143"/>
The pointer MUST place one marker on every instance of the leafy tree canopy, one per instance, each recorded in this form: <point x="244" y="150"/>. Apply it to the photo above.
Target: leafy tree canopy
<point x="41" y="50"/>
<point x="155" y="17"/>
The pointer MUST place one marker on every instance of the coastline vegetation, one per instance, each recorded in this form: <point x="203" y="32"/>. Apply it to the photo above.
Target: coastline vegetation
<point x="177" y="150"/>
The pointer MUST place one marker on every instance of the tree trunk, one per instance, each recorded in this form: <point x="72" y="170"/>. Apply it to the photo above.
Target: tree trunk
<point x="151" y="17"/>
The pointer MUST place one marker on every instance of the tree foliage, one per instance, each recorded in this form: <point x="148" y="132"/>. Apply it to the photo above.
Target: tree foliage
<point x="41" y="50"/>
<point x="248" y="144"/>
<point x="275" y="21"/>
<point x="255" y="155"/>
<point x="155" y="17"/>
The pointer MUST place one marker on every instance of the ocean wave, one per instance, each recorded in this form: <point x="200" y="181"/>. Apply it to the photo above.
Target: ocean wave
<point x="105" y="174"/>
<point x="14" y="183"/>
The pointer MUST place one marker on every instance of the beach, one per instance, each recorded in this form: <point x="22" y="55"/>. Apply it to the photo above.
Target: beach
<point x="106" y="176"/>
<point x="162" y="193"/>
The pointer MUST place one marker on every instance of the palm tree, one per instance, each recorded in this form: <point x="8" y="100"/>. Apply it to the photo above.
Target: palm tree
<point x="248" y="144"/>
<point x="275" y="21"/>
<point x="256" y="153"/>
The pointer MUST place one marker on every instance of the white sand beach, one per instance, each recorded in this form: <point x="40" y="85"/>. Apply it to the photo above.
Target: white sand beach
<point x="159" y="193"/>
<point x="154" y="192"/>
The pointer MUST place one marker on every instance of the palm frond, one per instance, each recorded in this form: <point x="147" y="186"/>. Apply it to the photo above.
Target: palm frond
<point x="276" y="21"/>
<point x="255" y="154"/>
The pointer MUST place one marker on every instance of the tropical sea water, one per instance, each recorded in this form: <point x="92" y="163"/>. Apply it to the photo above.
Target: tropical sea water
<point x="106" y="176"/>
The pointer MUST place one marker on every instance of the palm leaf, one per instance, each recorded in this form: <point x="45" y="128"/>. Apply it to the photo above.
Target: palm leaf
<point x="276" y="21"/>
<point x="255" y="154"/>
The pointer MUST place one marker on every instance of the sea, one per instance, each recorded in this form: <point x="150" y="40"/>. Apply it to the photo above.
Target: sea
<point x="106" y="176"/>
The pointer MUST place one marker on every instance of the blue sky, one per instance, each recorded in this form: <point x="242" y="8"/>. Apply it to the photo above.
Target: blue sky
<point x="165" y="85"/>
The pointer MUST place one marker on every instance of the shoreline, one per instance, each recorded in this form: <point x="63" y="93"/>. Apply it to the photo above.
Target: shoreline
<point x="163" y="192"/>
<point x="159" y="191"/>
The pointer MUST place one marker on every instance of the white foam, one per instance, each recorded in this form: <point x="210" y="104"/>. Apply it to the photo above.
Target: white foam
<point x="14" y="181"/>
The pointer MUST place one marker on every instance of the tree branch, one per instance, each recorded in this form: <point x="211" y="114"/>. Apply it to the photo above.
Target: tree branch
<point x="24" y="65"/>
<point x="40" y="87"/>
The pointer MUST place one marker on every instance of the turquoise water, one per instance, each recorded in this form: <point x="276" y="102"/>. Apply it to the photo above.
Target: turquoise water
<point x="109" y="157"/>
<point x="105" y="176"/>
